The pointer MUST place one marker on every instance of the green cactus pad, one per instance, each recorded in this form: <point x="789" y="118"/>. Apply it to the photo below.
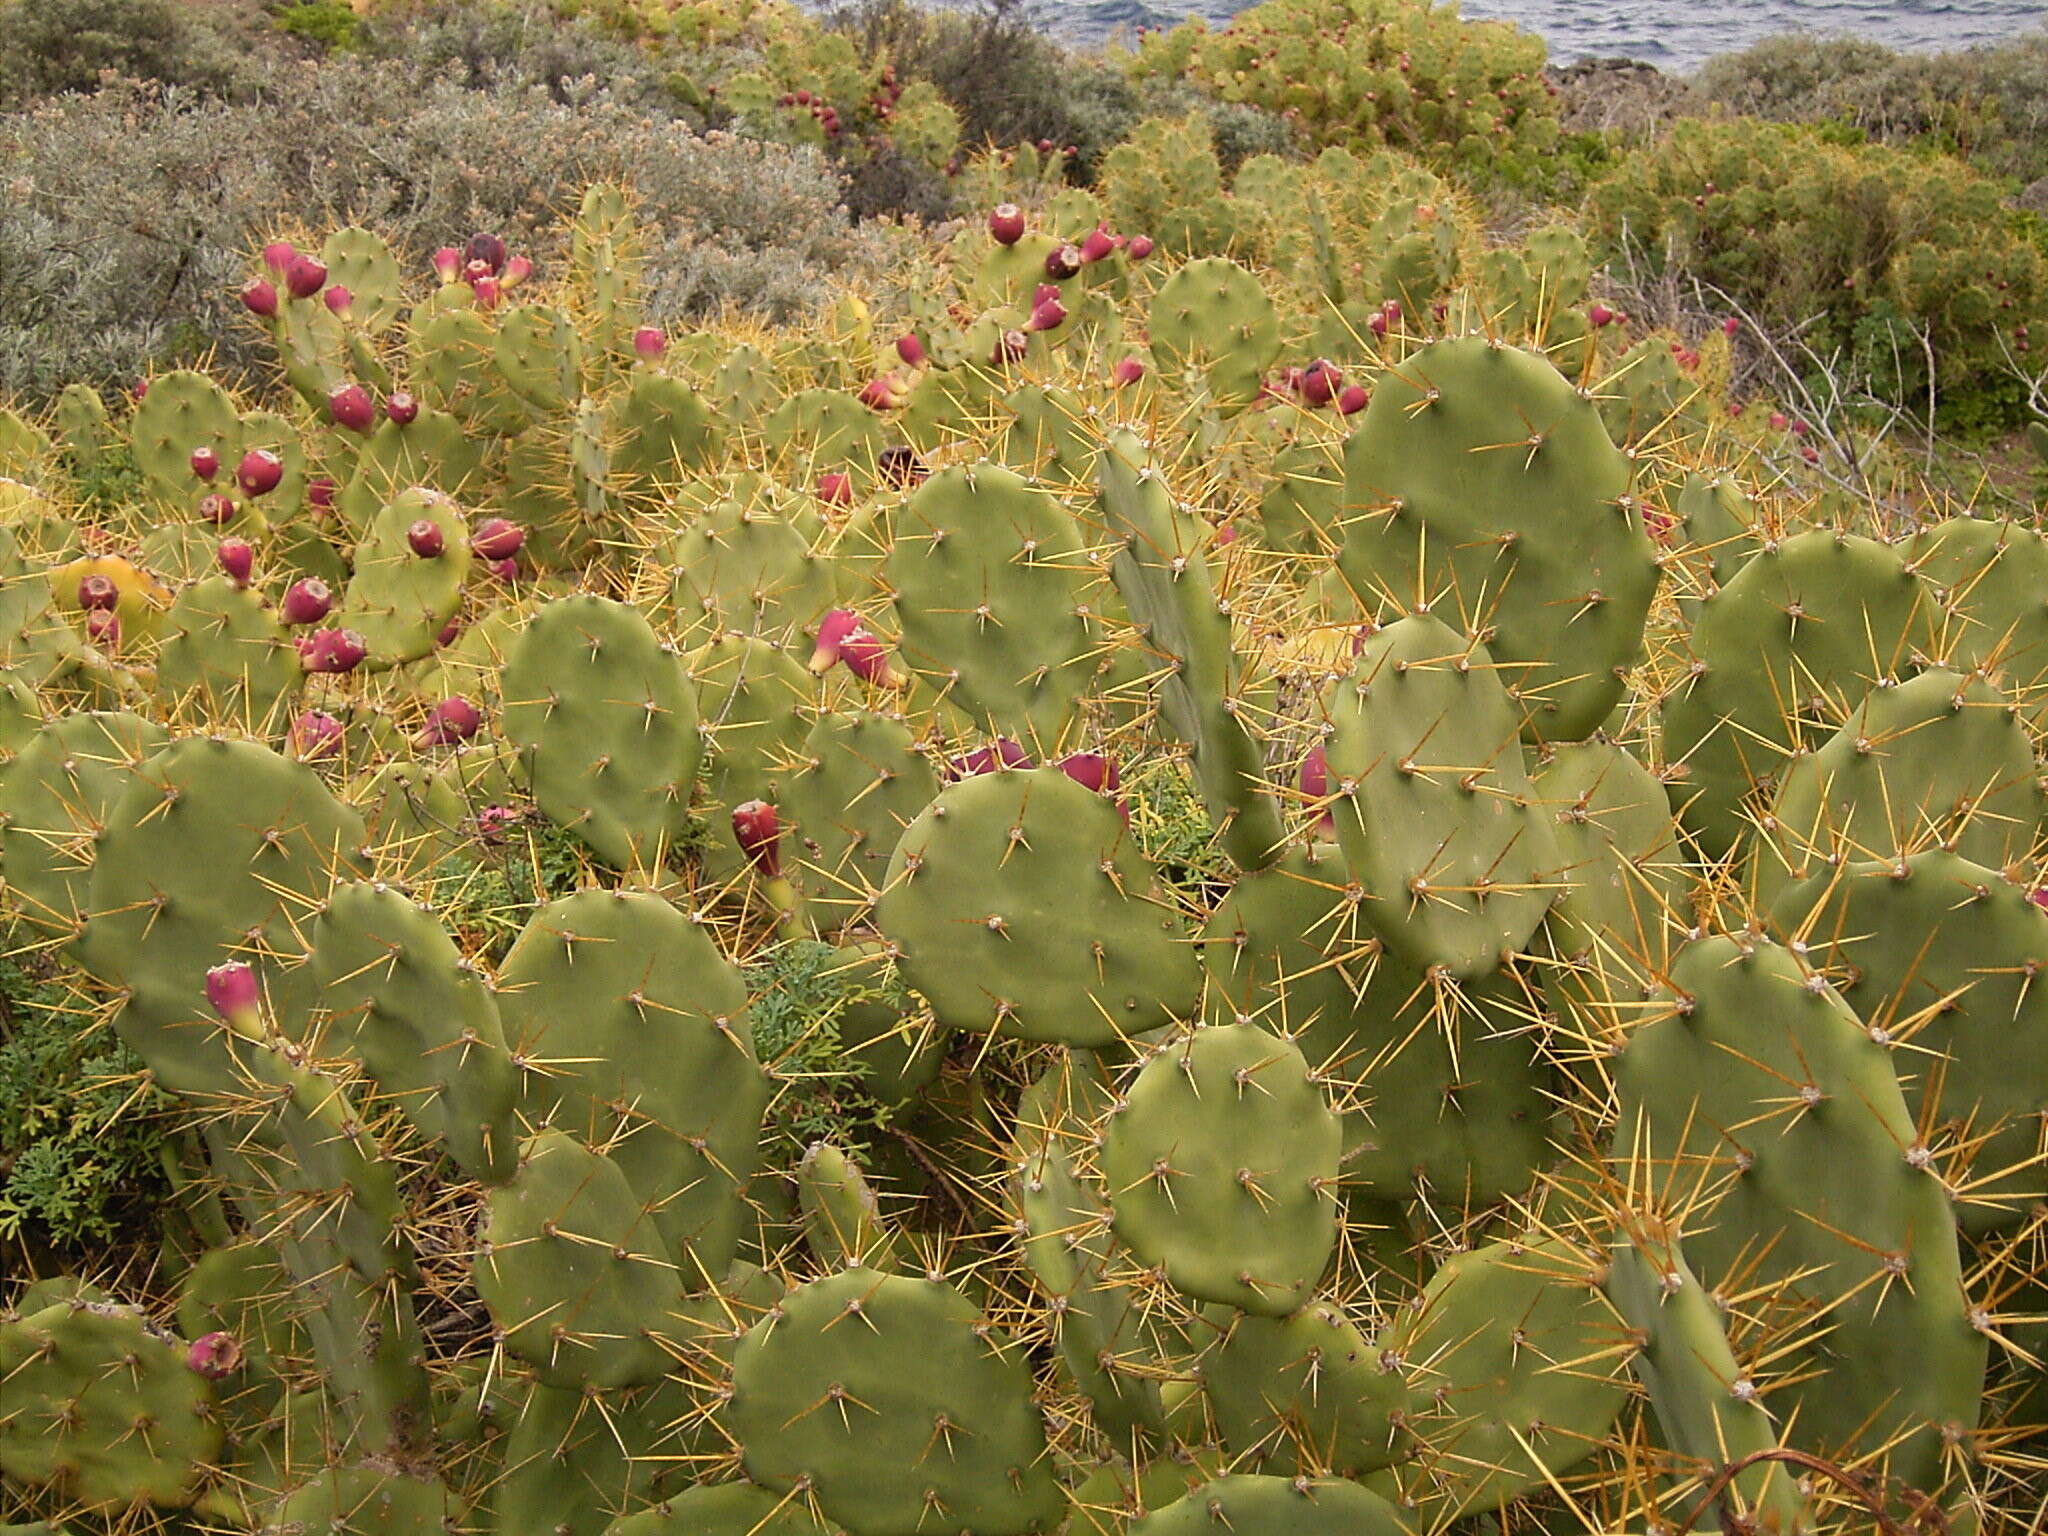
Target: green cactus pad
<point x="1245" y="1504"/>
<point x="1221" y="1166"/>
<point x="398" y="601"/>
<point x="1941" y="760"/>
<point x="1772" y="1117"/>
<point x="1482" y="484"/>
<point x="744" y="564"/>
<point x="1992" y="580"/>
<point x="401" y="999"/>
<point x="990" y="582"/>
<point x="857" y="784"/>
<point x="54" y="801"/>
<point x="1213" y="328"/>
<point x="1303" y="1393"/>
<point x="897" y="1407"/>
<point x="1020" y="903"/>
<point x="722" y="1509"/>
<point x="1940" y="955"/>
<point x="225" y="659"/>
<point x="1433" y="804"/>
<point x="598" y="985"/>
<point x="1782" y="654"/>
<point x="606" y="725"/>
<point x="577" y="1276"/>
<point x="1206" y="698"/>
<point x="215" y="850"/>
<point x="363" y="1501"/>
<point x="101" y="1408"/>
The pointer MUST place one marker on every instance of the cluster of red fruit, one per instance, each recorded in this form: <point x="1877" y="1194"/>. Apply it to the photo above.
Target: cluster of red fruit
<point x="485" y="265"/>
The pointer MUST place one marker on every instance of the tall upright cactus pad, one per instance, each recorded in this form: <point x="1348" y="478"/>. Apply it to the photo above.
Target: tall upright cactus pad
<point x="631" y="1033"/>
<point x="1942" y="956"/>
<point x="401" y="999"/>
<point x="399" y="599"/>
<point x="1770" y="1121"/>
<point x="1020" y="903"/>
<point x="100" y="1407"/>
<point x="1213" y="329"/>
<point x="1621" y="875"/>
<point x="606" y="725"/>
<point x="1990" y="578"/>
<point x="1941" y="760"/>
<point x="1221" y="1164"/>
<point x="723" y="1509"/>
<point x="1433" y="803"/>
<point x="363" y="1501"/>
<point x="1163" y="573"/>
<point x="577" y="1275"/>
<point x="1482" y="486"/>
<point x="897" y="1407"/>
<point x="990" y="586"/>
<point x="1780" y="656"/>
<point x="54" y="801"/>
<point x="1274" y="1506"/>
<point x="216" y="850"/>
<point x="1513" y="1374"/>
<point x="745" y="564"/>
<point x="183" y="412"/>
<point x="1706" y="1403"/>
<point x="662" y="432"/>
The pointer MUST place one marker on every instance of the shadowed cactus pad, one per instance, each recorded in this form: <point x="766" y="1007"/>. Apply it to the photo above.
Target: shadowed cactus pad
<point x="1249" y="1505"/>
<point x="1221" y="1164"/>
<point x="897" y="1406"/>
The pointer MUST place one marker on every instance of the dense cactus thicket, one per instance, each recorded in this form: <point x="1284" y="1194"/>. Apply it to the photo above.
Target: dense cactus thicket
<point x="1583" y="1072"/>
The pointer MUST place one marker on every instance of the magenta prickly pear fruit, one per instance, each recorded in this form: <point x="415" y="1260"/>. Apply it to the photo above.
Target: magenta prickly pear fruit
<point x="306" y="276"/>
<point x="911" y="350"/>
<point x="425" y="539"/>
<point x="1779" y="421"/>
<point x="237" y="559"/>
<point x="217" y="509"/>
<point x="1091" y="770"/>
<point x="505" y="570"/>
<point x="883" y="394"/>
<point x="259" y="297"/>
<point x="1006" y="223"/>
<point x="1062" y="262"/>
<point x="215" y="1356"/>
<point x="1010" y="347"/>
<point x="649" y="341"/>
<point x="835" y="488"/>
<point x="338" y="299"/>
<point x="1799" y="427"/>
<point x="448" y="264"/>
<point x="320" y="494"/>
<point x="1315" y="784"/>
<point x="1047" y="316"/>
<point x="1318" y="382"/>
<point x="1128" y="371"/>
<point x="1138" y="247"/>
<point x="448" y="632"/>
<point x="993" y="758"/>
<point x="103" y="627"/>
<point x="1598" y="315"/>
<point x="205" y="463"/>
<point x="450" y="721"/>
<point x="1043" y="292"/>
<point x="315" y="735"/>
<point x="486" y="291"/>
<point x="306" y="601"/>
<point x="1352" y="399"/>
<point x="758" y="830"/>
<point x="350" y="407"/>
<point x="333" y="650"/>
<point x="488" y="249"/>
<point x="1731" y="326"/>
<point x="279" y="255"/>
<point x="497" y="538"/>
<point x="231" y="989"/>
<point x="898" y="464"/>
<point x="402" y="408"/>
<point x="1099" y="244"/>
<point x="259" y="472"/>
<point x="97" y="593"/>
<point x="517" y="270"/>
<point x="1379" y="322"/>
<point x="832" y="632"/>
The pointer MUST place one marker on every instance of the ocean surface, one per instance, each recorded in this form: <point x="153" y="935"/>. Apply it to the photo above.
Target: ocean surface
<point x="1672" y="34"/>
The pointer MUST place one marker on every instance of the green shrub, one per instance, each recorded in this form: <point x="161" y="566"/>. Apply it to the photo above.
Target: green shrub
<point x="1372" y="73"/>
<point x="1989" y="105"/>
<point x="328" y="23"/>
<point x="1863" y="246"/>
<point x="50" y="47"/>
<point x="81" y="1130"/>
